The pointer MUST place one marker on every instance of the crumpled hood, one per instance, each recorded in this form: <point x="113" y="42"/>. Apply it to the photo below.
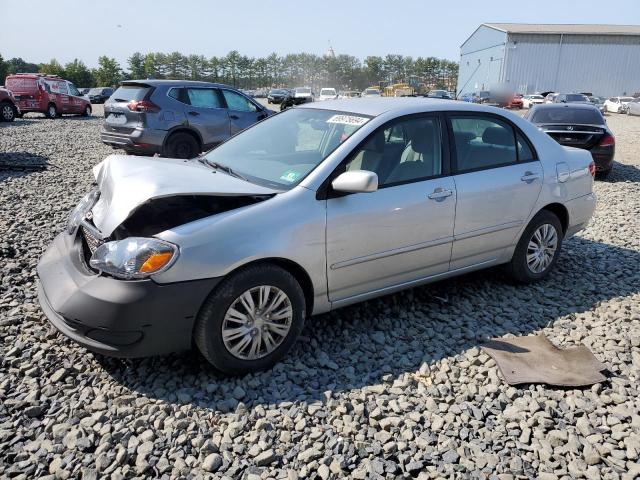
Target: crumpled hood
<point x="126" y="182"/>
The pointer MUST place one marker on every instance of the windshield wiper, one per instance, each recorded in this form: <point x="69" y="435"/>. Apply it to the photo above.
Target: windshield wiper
<point x="224" y="168"/>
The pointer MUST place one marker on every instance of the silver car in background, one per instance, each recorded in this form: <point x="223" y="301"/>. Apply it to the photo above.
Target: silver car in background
<point x="321" y="206"/>
<point x="176" y="118"/>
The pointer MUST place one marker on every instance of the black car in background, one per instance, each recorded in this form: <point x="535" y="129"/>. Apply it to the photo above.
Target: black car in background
<point x="571" y="98"/>
<point x="276" y="95"/>
<point x="577" y="125"/>
<point x="99" y="95"/>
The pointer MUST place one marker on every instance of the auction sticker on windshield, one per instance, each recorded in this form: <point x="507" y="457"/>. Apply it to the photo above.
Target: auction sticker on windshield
<point x="290" y="176"/>
<point x="348" y="120"/>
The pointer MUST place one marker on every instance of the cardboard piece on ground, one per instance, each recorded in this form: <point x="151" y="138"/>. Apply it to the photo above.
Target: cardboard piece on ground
<point x="534" y="359"/>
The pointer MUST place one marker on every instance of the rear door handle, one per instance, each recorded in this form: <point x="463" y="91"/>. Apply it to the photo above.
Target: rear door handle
<point x="529" y="177"/>
<point x="195" y="114"/>
<point x="440" y="194"/>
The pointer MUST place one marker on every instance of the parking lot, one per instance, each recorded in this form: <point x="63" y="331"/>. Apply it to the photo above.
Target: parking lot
<point x="391" y="388"/>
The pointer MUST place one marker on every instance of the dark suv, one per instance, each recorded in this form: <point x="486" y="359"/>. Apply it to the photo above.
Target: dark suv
<point x="176" y="118"/>
<point x="99" y="95"/>
<point x="9" y="109"/>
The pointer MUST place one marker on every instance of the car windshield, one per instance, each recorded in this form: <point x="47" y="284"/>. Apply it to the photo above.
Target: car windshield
<point x="371" y="91"/>
<point x="576" y="97"/>
<point x="279" y="152"/>
<point x="95" y="91"/>
<point x="536" y="97"/>
<point x="327" y="91"/>
<point x="303" y="90"/>
<point x="626" y="99"/>
<point x="587" y="116"/>
<point x="276" y="92"/>
<point x="126" y="93"/>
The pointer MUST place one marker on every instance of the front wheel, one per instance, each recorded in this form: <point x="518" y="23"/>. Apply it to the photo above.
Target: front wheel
<point x="87" y="111"/>
<point x="251" y="320"/>
<point x="537" y="250"/>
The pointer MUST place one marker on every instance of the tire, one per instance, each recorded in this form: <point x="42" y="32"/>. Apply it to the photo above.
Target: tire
<point x="212" y="318"/>
<point x="51" y="112"/>
<point x="87" y="111"/>
<point x="7" y="112"/>
<point x="603" y="174"/>
<point x="182" y="145"/>
<point x="519" y="269"/>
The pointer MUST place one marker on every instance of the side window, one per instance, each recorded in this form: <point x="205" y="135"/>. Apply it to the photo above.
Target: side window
<point x="407" y="150"/>
<point x="482" y="143"/>
<point x="203" y="97"/>
<point x="73" y="90"/>
<point x="62" y="86"/>
<point x="525" y="154"/>
<point x="238" y="102"/>
<point x="180" y="94"/>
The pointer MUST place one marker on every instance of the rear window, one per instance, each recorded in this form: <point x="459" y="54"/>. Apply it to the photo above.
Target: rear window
<point x="575" y="97"/>
<point x="23" y="84"/>
<point x="127" y="93"/>
<point x="588" y="116"/>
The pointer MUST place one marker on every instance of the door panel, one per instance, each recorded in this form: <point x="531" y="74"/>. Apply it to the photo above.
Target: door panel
<point x="207" y="115"/>
<point x="242" y="112"/>
<point x="491" y="209"/>
<point x="391" y="236"/>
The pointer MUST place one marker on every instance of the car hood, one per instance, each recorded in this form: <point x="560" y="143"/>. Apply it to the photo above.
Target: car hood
<point x="126" y="182"/>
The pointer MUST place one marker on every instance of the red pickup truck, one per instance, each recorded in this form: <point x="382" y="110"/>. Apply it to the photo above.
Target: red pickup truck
<point x="48" y="94"/>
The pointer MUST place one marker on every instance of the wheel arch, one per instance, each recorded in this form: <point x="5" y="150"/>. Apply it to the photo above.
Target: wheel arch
<point x="182" y="129"/>
<point x="559" y="211"/>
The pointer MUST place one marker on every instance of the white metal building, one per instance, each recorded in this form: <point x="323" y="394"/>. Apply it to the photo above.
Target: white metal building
<point x="528" y="58"/>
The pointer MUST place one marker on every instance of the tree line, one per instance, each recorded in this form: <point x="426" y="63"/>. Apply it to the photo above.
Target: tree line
<point x="296" y="69"/>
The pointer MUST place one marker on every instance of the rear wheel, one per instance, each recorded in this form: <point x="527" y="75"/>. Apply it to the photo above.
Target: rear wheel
<point x="182" y="145"/>
<point x="251" y="320"/>
<point x="538" y="249"/>
<point x="7" y="112"/>
<point x="52" y="111"/>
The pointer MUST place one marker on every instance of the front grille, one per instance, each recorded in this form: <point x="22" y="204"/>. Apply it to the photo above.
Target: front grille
<point x="91" y="240"/>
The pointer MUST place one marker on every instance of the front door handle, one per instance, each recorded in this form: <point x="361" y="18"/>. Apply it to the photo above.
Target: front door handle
<point x="529" y="177"/>
<point x="235" y="117"/>
<point x="195" y="114"/>
<point x="439" y="194"/>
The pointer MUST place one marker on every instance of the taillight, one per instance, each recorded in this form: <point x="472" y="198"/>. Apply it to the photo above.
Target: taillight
<point x="607" y="141"/>
<point x="142" y="106"/>
<point x="592" y="169"/>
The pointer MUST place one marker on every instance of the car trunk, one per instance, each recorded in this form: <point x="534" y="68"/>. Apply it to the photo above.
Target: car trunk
<point x="126" y="109"/>
<point x="579" y="136"/>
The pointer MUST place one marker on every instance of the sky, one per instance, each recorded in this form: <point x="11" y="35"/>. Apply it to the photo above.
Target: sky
<point x="68" y="29"/>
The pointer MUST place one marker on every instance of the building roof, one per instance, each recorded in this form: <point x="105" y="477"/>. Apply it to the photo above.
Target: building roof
<point x="567" y="29"/>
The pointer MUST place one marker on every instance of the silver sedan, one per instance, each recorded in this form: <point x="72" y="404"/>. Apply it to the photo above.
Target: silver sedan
<point x="319" y="207"/>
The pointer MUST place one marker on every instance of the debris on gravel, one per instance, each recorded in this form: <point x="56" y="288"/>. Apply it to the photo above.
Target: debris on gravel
<point x="392" y="388"/>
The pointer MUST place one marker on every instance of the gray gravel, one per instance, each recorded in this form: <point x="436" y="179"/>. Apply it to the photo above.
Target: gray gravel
<point x="392" y="388"/>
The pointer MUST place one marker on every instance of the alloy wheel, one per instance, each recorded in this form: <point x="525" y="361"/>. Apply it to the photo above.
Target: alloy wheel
<point x="542" y="248"/>
<point x="7" y="113"/>
<point x="257" y="322"/>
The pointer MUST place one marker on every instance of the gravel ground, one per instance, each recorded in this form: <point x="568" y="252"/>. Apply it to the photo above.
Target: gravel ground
<point x="391" y="388"/>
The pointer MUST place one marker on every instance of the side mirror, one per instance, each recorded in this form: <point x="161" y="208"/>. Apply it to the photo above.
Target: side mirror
<point x="356" y="181"/>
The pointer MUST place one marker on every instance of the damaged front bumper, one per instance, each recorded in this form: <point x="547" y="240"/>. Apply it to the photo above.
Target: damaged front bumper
<point x="115" y="317"/>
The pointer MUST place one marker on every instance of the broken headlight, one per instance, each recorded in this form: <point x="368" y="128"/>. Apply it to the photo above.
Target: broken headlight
<point x="80" y="210"/>
<point x="134" y="257"/>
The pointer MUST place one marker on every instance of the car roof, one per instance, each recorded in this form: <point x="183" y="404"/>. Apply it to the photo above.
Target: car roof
<point x="174" y="83"/>
<point x="547" y="106"/>
<point x="374" y="106"/>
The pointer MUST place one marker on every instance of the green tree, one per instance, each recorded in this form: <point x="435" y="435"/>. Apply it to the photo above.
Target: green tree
<point x="108" y="73"/>
<point x="4" y="68"/>
<point x="136" y="66"/>
<point x="78" y="73"/>
<point x="18" y="65"/>
<point x="51" y="68"/>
